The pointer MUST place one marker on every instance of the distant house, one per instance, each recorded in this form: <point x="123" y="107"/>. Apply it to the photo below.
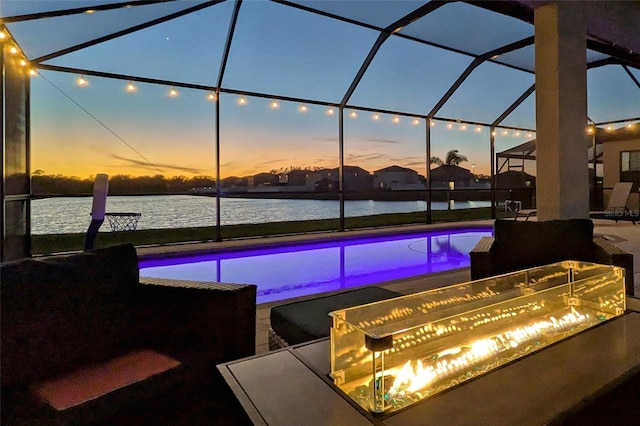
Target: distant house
<point x="442" y="175"/>
<point x="262" y="180"/>
<point x="396" y="178"/>
<point x="355" y="179"/>
<point x="293" y="178"/>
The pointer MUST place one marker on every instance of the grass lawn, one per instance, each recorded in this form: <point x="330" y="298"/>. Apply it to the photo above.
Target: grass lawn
<point x="56" y="243"/>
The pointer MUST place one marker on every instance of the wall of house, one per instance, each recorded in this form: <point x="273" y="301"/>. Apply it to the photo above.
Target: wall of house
<point x="611" y="167"/>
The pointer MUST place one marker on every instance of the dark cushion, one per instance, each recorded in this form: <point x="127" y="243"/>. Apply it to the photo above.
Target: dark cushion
<point x="64" y="311"/>
<point x="300" y="322"/>
<point x="523" y="244"/>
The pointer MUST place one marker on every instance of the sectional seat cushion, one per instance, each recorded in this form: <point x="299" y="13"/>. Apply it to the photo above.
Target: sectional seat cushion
<point x="299" y="322"/>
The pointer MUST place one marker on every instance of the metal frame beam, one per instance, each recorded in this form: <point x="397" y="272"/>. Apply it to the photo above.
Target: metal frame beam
<point x="79" y="10"/>
<point x="382" y="37"/>
<point x="126" y="31"/>
<point x="633" y="77"/>
<point x="473" y="65"/>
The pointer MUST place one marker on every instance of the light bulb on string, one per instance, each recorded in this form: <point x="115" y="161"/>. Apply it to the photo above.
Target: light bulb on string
<point x="275" y="104"/>
<point x="375" y="117"/>
<point x="82" y="82"/>
<point x="395" y="120"/>
<point x="173" y="92"/>
<point x="353" y="114"/>
<point x="330" y="111"/>
<point x="242" y="101"/>
<point x="131" y="87"/>
<point x="416" y="121"/>
<point x="211" y="96"/>
<point x="302" y="108"/>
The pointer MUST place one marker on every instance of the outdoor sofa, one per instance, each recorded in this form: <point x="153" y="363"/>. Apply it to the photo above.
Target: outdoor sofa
<point x="85" y="342"/>
<point x="519" y="245"/>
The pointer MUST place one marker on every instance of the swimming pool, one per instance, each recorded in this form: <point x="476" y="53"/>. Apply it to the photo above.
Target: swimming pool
<point x="311" y="268"/>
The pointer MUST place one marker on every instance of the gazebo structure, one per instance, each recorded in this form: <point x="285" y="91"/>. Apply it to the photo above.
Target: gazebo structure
<point x="470" y="66"/>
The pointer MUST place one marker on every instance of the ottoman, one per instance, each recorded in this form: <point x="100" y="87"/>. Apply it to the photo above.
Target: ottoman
<point x="300" y="322"/>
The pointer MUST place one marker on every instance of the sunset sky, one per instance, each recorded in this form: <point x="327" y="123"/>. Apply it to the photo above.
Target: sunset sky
<point x="101" y="128"/>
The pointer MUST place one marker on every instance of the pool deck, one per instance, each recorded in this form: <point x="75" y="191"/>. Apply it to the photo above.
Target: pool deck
<point x="625" y="235"/>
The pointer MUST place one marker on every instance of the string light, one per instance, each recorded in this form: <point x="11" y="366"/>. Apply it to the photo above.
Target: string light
<point x="630" y="126"/>
<point x="330" y="111"/>
<point x="131" y="87"/>
<point x="493" y="133"/>
<point x="416" y="121"/>
<point x="463" y="127"/>
<point x="529" y="135"/>
<point x="82" y="82"/>
<point x="353" y="114"/>
<point x="517" y="134"/>
<point x="173" y="92"/>
<point x="302" y="108"/>
<point x="32" y="72"/>
<point x="396" y="120"/>
<point x="13" y="50"/>
<point x="275" y="104"/>
<point x="449" y="126"/>
<point x="589" y="129"/>
<point x="2" y="35"/>
<point x="609" y="128"/>
<point x="23" y="62"/>
<point x="375" y="117"/>
<point x="211" y="96"/>
<point x="505" y="133"/>
<point x="242" y="101"/>
<point x="478" y="129"/>
<point x="432" y="123"/>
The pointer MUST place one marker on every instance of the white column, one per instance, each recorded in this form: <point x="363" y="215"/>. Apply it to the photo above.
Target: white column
<point x="562" y="187"/>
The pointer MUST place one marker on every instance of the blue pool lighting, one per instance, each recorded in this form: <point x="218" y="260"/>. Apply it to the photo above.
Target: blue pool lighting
<point x="289" y="271"/>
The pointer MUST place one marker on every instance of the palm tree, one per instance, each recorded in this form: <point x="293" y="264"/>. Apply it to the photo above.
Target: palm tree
<point x="454" y="158"/>
<point x="436" y="160"/>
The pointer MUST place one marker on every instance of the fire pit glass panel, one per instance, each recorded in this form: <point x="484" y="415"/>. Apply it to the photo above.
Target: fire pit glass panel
<point x="390" y="354"/>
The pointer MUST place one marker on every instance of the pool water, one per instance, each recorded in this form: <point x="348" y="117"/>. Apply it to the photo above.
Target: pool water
<point x="312" y="268"/>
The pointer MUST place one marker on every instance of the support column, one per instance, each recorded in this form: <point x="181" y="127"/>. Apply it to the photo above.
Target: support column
<point x="561" y="111"/>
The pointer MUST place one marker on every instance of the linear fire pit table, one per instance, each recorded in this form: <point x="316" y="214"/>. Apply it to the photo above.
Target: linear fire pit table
<point x="545" y="345"/>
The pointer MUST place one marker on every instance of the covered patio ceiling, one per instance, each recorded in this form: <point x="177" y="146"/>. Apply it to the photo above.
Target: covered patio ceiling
<point x="471" y="62"/>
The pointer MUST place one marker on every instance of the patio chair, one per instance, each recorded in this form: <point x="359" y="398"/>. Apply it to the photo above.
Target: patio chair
<point x="617" y="205"/>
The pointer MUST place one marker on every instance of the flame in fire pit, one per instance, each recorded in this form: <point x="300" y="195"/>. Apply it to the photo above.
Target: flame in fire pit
<point x="461" y="359"/>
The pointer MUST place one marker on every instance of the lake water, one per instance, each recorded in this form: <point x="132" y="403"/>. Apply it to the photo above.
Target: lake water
<point x="72" y="214"/>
